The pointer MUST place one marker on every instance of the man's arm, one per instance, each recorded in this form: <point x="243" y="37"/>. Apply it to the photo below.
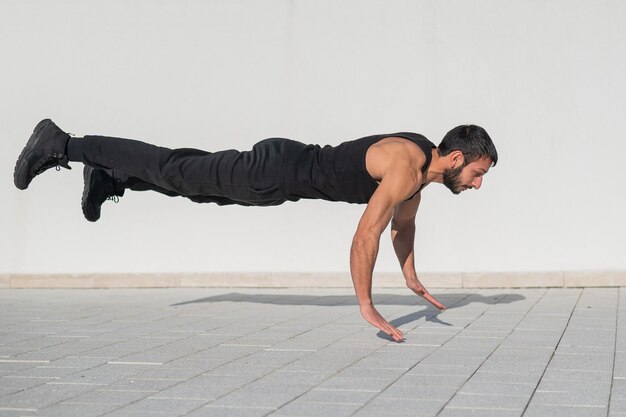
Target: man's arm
<point x="403" y="237"/>
<point x="397" y="185"/>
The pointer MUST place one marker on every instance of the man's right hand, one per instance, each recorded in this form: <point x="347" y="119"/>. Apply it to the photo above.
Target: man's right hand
<point x="372" y="315"/>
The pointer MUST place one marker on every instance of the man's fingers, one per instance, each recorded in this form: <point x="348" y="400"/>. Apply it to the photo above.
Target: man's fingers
<point x="378" y="321"/>
<point x="421" y="291"/>
<point x="433" y="300"/>
<point x="392" y="331"/>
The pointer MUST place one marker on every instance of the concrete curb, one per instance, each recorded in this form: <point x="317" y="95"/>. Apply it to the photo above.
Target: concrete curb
<point x="563" y="279"/>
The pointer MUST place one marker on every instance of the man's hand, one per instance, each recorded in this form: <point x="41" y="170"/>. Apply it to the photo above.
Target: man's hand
<point x="416" y="286"/>
<point x="370" y="314"/>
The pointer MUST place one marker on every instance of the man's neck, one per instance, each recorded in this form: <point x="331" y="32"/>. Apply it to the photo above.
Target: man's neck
<point x="435" y="169"/>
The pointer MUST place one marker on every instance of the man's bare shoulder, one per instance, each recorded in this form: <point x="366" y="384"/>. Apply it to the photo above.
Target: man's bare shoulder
<point x="393" y="152"/>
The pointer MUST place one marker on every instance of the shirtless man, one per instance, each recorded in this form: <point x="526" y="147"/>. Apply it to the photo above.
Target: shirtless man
<point x="386" y="172"/>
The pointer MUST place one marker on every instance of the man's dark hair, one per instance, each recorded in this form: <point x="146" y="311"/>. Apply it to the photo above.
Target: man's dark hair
<point x="473" y="141"/>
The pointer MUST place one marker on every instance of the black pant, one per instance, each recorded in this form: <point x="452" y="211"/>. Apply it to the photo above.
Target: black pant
<point x="249" y="178"/>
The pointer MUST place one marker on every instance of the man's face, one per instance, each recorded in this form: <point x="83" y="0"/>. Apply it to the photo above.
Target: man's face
<point x="467" y="176"/>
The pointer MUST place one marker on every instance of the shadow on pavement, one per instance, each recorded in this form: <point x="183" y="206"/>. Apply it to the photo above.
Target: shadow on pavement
<point x="450" y="300"/>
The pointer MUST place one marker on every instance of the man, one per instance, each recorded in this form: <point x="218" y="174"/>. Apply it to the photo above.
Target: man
<point x="386" y="172"/>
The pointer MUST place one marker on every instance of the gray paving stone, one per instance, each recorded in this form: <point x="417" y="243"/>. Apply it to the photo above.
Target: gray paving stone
<point x="605" y="339"/>
<point x="275" y="356"/>
<point x="487" y="401"/>
<point x="164" y="372"/>
<point x="225" y="351"/>
<point x="319" y="364"/>
<point x="564" y="349"/>
<point x="315" y="409"/>
<point x="298" y="378"/>
<point x="22" y="383"/>
<point x="44" y="372"/>
<point x="531" y="338"/>
<point x="361" y="372"/>
<point x="511" y="377"/>
<point x="108" y="396"/>
<point x="292" y="352"/>
<point x="480" y="412"/>
<point x="395" y="408"/>
<point x="69" y="409"/>
<point x="572" y="393"/>
<point x="618" y="405"/>
<point x="50" y="353"/>
<point x="142" y="384"/>
<point x="427" y="380"/>
<point x="198" y="363"/>
<point x="454" y="358"/>
<point x="43" y="395"/>
<point x="164" y="406"/>
<point x="223" y="411"/>
<point x="341" y="382"/>
<point x="510" y="354"/>
<point x="100" y="375"/>
<point x="416" y="392"/>
<point x="486" y="344"/>
<point x="10" y="365"/>
<point x="574" y="386"/>
<point x="7" y="391"/>
<point x="429" y="337"/>
<point x="17" y="413"/>
<point x="497" y="388"/>
<point x="564" y="411"/>
<point x="582" y="362"/>
<point x="491" y="365"/>
<point x="459" y="370"/>
<point x="338" y="397"/>
<point x="606" y="322"/>
<point x="204" y="387"/>
<point x="230" y="369"/>
<point x="266" y="400"/>
<point x="618" y="389"/>
<point x="390" y="360"/>
<point x="161" y="354"/>
<point x="79" y="362"/>
<point x="36" y="343"/>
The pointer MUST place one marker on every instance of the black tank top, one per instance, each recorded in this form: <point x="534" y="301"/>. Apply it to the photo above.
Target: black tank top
<point x="337" y="173"/>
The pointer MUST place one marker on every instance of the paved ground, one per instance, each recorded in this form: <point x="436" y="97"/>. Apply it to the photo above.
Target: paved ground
<point x="290" y="352"/>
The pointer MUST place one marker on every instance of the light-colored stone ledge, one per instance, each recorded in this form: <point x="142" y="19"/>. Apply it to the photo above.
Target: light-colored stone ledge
<point x="315" y="280"/>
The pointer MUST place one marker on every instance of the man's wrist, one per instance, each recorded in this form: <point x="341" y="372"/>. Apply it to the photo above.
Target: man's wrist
<point x="365" y="304"/>
<point x="410" y="277"/>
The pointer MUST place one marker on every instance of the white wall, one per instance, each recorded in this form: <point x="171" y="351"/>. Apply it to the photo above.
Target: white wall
<point x="545" y="78"/>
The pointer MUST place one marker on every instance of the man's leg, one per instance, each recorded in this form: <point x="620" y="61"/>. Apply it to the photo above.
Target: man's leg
<point x="105" y="184"/>
<point x="182" y="171"/>
<point x="248" y="177"/>
<point x="226" y="177"/>
<point x="101" y="185"/>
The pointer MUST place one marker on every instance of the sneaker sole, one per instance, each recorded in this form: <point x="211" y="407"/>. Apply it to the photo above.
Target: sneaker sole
<point x="92" y="217"/>
<point x="20" y="174"/>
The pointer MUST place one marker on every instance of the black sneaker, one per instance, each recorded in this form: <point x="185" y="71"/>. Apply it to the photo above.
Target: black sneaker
<point x="99" y="187"/>
<point x="45" y="149"/>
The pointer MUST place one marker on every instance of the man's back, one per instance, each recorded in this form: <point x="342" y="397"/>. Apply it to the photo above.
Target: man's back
<point x="338" y="173"/>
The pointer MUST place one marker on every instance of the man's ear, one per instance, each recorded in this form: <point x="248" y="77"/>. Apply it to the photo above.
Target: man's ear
<point x="456" y="159"/>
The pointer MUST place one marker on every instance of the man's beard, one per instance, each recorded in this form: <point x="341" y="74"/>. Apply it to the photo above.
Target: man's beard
<point x="452" y="179"/>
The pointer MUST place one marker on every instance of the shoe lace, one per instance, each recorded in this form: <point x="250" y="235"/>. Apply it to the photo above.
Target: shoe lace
<point x="58" y="158"/>
<point x="113" y="198"/>
<point x="57" y="161"/>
